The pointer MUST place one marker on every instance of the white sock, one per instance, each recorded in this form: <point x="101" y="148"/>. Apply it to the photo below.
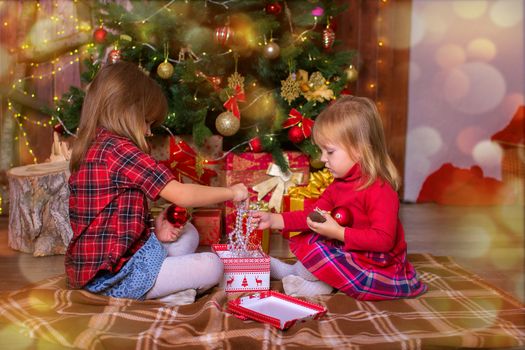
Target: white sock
<point x="183" y="297"/>
<point x="297" y="286"/>
<point x="279" y="269"/>
<point x="303" y="272"/>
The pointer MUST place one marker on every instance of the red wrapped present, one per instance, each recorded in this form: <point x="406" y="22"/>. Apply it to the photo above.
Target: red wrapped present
<point x="189" y="163"/>
<point x="305" y="197"/>
<point x="208" y="222"/>
<point x="257" y="170"/>
<point x="244" y="274"/>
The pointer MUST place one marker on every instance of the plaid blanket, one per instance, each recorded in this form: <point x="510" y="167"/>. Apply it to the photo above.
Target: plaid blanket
<point x="459" y="310"/>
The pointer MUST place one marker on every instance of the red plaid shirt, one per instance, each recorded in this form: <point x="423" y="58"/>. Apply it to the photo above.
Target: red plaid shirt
<point x="108" y="208"/>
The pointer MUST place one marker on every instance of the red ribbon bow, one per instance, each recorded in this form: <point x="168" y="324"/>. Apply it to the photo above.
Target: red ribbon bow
<point x="232" y="103"/>
<point x="183" y="162"/>
<point x="297" y="118"/>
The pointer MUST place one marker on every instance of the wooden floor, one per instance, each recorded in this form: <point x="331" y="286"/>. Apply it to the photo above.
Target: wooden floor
<point x="488" y="241"/>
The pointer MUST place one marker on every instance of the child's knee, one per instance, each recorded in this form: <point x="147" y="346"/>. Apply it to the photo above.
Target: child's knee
<point x="191" y="235"/>
<point x="214" y="268"/>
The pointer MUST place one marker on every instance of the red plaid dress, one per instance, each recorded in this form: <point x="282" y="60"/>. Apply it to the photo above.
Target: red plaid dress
<point x="108" y="207"/>
<point x="371" y="263"/>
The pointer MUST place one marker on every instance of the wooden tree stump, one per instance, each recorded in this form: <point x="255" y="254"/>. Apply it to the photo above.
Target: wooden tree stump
<point x="39" y="208"/>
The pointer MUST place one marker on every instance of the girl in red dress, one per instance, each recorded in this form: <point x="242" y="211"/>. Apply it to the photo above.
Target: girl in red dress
<point x="366" y="257"/>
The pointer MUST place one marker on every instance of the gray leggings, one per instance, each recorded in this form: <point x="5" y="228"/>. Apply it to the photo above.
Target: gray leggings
<point x="184" y="269"/>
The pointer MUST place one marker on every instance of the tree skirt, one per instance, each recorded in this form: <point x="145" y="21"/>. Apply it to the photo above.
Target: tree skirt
<point x="459" y="310"/>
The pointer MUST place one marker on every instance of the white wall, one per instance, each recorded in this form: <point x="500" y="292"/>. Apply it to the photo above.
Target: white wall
<point x="466" y="81"/>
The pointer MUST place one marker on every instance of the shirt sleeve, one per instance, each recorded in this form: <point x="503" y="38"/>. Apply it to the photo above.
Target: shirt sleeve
<point x="382" y="207"/>
<point x="296" y="220"/>
<point x="132" y="168"/>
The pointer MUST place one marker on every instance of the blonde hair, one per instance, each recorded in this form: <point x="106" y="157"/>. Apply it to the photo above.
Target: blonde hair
<point x="354" y="124"/>
<point x="123" y="100"/>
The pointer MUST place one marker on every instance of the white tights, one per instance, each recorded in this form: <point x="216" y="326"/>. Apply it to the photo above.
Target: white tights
<point x="184" y="269"/>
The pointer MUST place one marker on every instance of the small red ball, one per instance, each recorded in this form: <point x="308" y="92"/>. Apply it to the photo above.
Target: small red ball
<point x="342" y="215"/>
<point x="273" y="8"/>
<point x="114" y="56"/>
<point x="177" y="216"/>
<point x="295" y="134"/>
<point x="255" y="145"/>
<point x="59" y="128"/>
<point x="99" y="35"/>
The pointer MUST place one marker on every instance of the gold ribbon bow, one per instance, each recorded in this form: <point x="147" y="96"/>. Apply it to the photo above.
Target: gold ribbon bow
<point x="279" y="182"/>
<point x="317" y="183"/>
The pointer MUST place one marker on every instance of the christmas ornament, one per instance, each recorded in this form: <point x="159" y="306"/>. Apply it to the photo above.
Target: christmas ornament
<point x="273" y="8"/>
<point x="328" y="38"/>
<point x="351" y="73"/>
<point x="297" y="121"/>
<point x="177" y="216"/>
<point x="314" y="88"/>
<point x="114" y="56"/>
<point x="227" y="124"/>
<point x="295" y="134"/>
<point x="223" y="35"/>
<point x="290" y="88"/>
<point x="235" y="80"/>
<point x="165" y="70"/>
<point x="316" y="163"/>
<point x="59" y="128"/>
<point x="255" y="145"/>
<point x="271" y="51"/>
<point x="345" y="91"/>
<point x="232" y="103"/>
<point x="99" y="35"/>
<point x="342" y="216"/>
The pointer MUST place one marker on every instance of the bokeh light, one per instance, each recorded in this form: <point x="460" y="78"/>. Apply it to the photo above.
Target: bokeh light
<point x="449" y="56"/>
<point x="468" y="138"/>
<point x="426" y="140"/>
<point x="435" y="24"/>
<point x="481" y="49"/>
<point x="487" y="154"/>
<point x="469" y="9"/>
<point x="506" y="13"/>
<point x="474" y="88"/>
<point x="510" y="104"/>
<point x="40" y="33"/>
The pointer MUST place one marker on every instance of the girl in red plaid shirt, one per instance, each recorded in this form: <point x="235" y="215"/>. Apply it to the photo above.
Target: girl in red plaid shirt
<point x="114" y="251"/>
<point x="366" y="257"/>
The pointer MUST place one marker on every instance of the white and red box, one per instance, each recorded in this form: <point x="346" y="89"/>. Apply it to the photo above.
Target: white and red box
<point x="244" y="274"/>
<point x="279" y="310"/>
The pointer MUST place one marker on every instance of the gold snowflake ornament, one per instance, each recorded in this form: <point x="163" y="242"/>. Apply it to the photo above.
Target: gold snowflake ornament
<point x="234" y="80"/>
<point x="290" y="88"/>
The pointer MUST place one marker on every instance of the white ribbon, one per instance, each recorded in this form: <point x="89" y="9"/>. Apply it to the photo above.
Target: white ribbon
<point x="279" y="183"/>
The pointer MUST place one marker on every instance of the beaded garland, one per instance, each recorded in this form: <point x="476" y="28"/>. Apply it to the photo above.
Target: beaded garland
<point x="239" y="240"/>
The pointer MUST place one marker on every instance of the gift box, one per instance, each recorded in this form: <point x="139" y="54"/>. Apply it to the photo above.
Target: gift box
<point x="189" y="163"/>
<point x="305" y="197"/>
<point x="279" y="310"/>
<point x="208" y="222"/>
<point x="258" y="173"/>
<point x="244" y="274"/>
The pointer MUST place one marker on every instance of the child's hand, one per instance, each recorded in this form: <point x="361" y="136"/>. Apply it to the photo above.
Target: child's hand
<point x="263" y="219"/>
<point x="240" y="192"/>
<point x="164" y="230"/>
<point x="330" y="228"/>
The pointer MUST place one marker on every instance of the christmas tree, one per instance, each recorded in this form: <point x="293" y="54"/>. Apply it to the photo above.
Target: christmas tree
<point x="256" y="72"/>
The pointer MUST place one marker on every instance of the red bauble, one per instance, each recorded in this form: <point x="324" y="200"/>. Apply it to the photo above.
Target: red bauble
<point x="345" y="91"/>
<point x="177" y="216"/>
<point x="273" y="8"/>
<point x="342" y="215"/>
<point x="223" y="35"/>
<point x="99" y="35"/>
<point x="328" y="38"/>
<point x="255" y="145"/>
<point x="114" y="56"/>
<point x="295" y="134"/>
<point x="59" y="128"/>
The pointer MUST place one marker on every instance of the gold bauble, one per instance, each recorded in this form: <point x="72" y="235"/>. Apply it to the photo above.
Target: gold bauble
<point x="271" y="51"/>
<point x="351" y="73"/>
<point x="227" y="124"/>
<point x="165" y="70"/>
<point x="316" y="163"/>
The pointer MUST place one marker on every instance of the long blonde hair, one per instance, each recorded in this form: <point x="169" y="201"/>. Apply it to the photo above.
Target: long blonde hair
<point x="354" y="124"/>
<point x="123" y="100"/>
